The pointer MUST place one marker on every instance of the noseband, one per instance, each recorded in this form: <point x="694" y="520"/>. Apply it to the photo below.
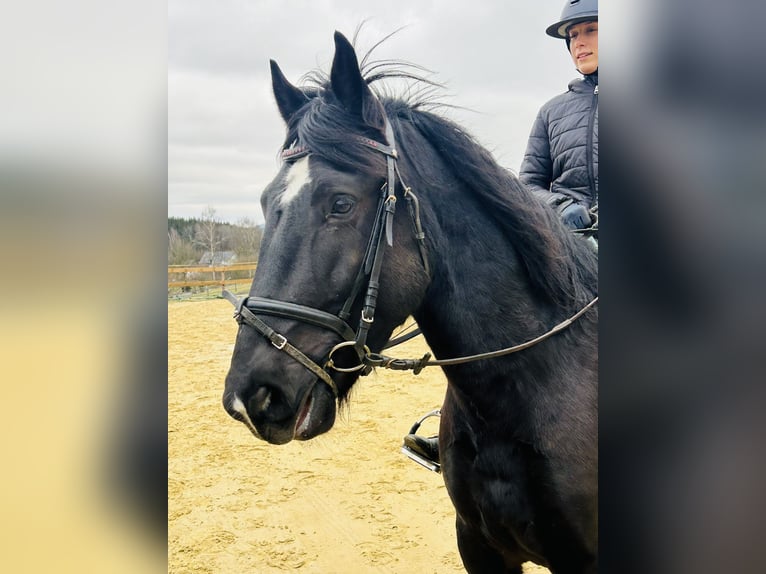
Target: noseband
<point x="248" y="307"/>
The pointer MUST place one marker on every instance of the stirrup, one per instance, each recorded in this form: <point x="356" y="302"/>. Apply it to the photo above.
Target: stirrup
<point x="417" y="457"/>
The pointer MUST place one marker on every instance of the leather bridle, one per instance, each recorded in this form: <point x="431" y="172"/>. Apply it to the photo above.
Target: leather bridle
<point x="248" y="308"/>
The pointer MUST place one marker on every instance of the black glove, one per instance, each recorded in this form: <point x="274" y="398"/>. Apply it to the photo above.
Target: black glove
<point x="575" y="216"/>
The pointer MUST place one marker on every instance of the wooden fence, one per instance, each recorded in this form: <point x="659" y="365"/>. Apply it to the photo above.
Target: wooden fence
<point x="207" y="275"/>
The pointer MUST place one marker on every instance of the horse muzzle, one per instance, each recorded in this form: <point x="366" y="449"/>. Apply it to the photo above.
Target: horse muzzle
<point x="271" y="416"/>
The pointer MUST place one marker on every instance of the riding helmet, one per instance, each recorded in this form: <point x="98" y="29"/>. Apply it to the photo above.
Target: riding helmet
<point x="574" y="12"/>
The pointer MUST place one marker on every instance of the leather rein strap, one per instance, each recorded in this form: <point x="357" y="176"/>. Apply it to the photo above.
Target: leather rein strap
<point x="417" y="365"/>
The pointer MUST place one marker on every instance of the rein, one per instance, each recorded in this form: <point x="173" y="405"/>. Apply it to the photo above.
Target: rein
<point x="417" y="365"/>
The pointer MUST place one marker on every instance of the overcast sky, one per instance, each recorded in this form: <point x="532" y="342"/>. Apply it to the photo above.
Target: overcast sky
<point x="223" y="126"/>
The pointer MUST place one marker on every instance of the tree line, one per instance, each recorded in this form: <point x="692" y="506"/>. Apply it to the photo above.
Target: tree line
<point x="189" y="239"/>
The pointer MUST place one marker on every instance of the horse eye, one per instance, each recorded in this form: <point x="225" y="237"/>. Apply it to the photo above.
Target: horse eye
<point x="342" y="205"/>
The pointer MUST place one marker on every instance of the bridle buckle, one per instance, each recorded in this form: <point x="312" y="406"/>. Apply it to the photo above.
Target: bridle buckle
<point x="279" y="341"/>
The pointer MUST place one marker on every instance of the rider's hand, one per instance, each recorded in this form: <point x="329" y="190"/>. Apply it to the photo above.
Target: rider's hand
<point x="575" y="216"/>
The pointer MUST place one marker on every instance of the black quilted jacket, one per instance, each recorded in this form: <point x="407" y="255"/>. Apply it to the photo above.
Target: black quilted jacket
<point x="561" y="161"/>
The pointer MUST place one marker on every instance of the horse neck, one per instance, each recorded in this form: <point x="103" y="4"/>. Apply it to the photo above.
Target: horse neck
<point x="481" y="299"/>
<point x="485" y="293"/>
<point x="470" y="319"/>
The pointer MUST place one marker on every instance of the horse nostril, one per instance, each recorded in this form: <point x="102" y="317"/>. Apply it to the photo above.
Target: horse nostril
<point x="261" y="400"/>
<point x="268" y="404"/>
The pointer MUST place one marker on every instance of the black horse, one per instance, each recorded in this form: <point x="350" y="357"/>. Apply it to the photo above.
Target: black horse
<point x="479" y="263"/>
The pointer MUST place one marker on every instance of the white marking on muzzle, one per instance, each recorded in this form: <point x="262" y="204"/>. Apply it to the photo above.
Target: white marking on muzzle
<point x="239" y="406"/>
<point x="297" y="177"/>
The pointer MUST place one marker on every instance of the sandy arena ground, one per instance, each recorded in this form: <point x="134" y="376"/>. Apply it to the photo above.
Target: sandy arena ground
<point x="345" y="502"/>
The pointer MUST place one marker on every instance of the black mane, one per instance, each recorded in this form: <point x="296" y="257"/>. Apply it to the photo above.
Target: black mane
<point x="559" y="264"/>
<point x="561" y="267"/>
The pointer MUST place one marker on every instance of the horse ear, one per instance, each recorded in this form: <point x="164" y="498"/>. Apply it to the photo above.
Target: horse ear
<point x="289" y="98"/>
<point x="351" y="88"/>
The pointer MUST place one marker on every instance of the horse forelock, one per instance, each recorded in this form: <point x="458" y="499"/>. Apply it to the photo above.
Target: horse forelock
<point x="329" y="130"/>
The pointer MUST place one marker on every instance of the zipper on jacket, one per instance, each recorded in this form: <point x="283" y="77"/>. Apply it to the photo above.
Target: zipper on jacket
<point x="589" y="148"/>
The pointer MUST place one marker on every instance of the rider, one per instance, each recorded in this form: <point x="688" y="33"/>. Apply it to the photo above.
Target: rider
<point x="561" y="161"/>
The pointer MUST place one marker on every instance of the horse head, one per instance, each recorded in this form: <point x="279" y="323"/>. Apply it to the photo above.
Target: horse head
<point x="328" y="219"/>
